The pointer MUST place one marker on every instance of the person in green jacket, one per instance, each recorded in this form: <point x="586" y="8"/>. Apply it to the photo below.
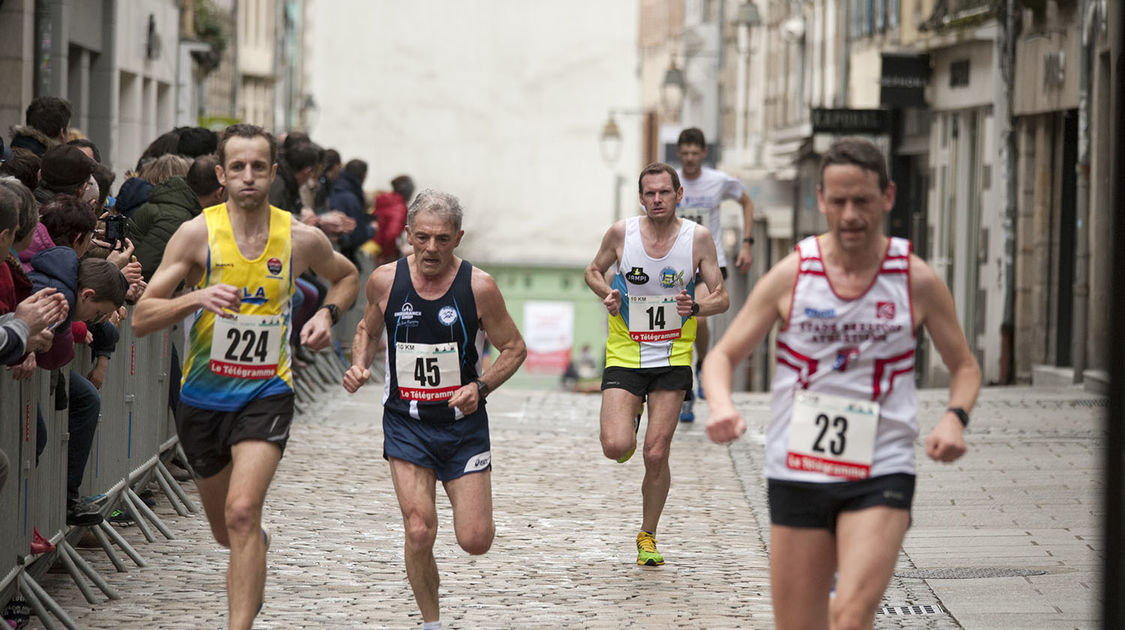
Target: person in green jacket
<point x="173" y="202"/>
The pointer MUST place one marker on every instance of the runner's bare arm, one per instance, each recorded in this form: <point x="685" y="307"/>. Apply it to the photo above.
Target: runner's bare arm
<point x="746" y="250"/>
<point x="768" y="303"/>
<point x="316" y="253"/>
<point x="933" y="308"/>
<point x="496" y="322"/>
<point x="717" y="300"/>
<point x="370" y="328"/>
<point x="156" y="310"/>
<point x="608" y="254"/>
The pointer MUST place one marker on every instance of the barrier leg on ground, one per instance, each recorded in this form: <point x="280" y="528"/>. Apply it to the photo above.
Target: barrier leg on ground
<point x="108" y="548"/>
<point x="105" y="529"/>
<point x="147" y="512"/>
<point x="173" y="498"/>
<point x="75" y="574"/>
<point x="95" y="577"/>
<point x="127" y="502"/>
<point x="41" y="602"/>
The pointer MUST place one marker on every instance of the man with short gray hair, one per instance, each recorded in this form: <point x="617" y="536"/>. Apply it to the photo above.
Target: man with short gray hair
<point x="432" y="305"/>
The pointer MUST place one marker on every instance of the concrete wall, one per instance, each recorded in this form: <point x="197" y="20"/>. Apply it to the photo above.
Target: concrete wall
<point x="501" y="103"/>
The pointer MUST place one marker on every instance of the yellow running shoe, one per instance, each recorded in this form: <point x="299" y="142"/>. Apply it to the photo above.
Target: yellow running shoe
<point x="636" y="427"/>
<point x="647" y="555"/>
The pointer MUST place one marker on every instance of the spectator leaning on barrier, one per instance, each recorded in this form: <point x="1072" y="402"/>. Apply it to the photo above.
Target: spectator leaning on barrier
<point x="94" y="289"/>
<point x="21" y="317"/>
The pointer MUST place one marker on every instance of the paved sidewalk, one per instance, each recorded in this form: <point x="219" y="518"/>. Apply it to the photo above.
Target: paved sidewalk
<point x="1024" y="499"/>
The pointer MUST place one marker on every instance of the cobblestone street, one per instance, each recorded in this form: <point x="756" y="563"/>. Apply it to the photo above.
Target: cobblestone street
<point x="566" y="517"/>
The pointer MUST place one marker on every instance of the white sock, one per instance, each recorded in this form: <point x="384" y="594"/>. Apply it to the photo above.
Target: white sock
<point x="431" y="625"/>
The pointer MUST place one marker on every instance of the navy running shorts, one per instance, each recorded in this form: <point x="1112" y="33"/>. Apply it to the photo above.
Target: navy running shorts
<point x="450" y="449"/>
<point x="208" y="434"/>
<point x="818" y="505"/>
<point x="640" y="381"/>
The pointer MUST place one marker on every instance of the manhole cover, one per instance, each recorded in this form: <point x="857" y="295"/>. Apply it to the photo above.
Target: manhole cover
<point x="910" y="611"/>
<point x="964" y="573"/>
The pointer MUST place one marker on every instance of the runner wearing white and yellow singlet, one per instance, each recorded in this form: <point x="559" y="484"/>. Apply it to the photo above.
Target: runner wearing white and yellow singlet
<point x="652" y="306"/>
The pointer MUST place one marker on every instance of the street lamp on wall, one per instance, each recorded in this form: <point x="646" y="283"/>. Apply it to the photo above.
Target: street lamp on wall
<point x="672" y="91"/>
<point x="610" y="141"/>
<point x="748" y="15"/>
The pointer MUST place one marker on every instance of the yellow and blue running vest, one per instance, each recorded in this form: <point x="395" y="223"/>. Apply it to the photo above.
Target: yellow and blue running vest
<point x="648" y="333"/>
<point x="234" y="360"/>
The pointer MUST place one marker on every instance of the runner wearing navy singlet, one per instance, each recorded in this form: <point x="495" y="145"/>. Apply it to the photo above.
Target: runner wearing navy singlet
<point x="432" y="304"/>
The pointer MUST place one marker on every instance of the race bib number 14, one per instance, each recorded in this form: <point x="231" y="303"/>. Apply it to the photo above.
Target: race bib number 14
<point x="427" y="371"/>
<point x="832" y="435"/>
<point x="653" y="318"/>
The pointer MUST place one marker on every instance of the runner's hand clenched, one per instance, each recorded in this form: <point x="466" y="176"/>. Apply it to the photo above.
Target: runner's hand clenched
<point x="355" y="378"/>
<point x="220" y="299"/>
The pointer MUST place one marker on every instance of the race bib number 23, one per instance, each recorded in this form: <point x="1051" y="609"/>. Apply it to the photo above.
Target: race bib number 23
<point x="832" y="435"/>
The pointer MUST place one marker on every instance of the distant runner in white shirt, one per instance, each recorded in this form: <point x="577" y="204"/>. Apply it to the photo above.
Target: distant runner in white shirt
<point x="704" y="190"/>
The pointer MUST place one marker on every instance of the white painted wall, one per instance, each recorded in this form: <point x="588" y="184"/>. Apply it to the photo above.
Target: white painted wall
<point x="500" y="102"/>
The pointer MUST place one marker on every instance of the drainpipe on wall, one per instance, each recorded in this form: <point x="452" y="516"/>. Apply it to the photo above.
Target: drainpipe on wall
<point x="1009" y="146"/>
<point x="235" y="72"/>
<point x="1082" y="207"/>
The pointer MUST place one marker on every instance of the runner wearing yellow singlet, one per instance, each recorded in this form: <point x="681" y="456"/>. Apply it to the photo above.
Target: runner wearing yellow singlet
<point x="237" y="397"/>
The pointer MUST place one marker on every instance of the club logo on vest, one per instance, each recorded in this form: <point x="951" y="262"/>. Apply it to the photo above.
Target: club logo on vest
<point x="479" y="461"/>
<point x="669" y="278"/>
<point x="637" y="276"/>
<point x="257" y="297"/>
<point x="447" y="315"/>
<point x="884" y="310"/>
<point x="843" y="356"/>
<point x="274" y="266"/>
<point x="406" y="315"/>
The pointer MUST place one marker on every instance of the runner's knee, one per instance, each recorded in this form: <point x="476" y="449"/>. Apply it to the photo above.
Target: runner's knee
<point x="420" y="531"/>
<point x="477" y="541"/>
<point x="849" y="613"/>
<point x="243" y="516"/>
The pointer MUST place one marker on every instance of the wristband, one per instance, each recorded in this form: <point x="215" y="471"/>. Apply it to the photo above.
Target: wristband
<point x="482" y="387"/>
<point x="748" y="239"/>
<point x="961" y="414"/>
<point x="333" y="312"/>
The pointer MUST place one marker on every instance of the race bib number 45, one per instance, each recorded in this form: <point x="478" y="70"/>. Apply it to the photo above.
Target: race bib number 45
<point x="653" y="318"/>
<point x="427" y="371"/>
<point x="832" y="435"/>
<point x="246" y="346"/>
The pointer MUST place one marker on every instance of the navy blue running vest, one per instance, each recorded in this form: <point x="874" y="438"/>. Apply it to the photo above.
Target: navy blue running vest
<point x="410" y="319"/>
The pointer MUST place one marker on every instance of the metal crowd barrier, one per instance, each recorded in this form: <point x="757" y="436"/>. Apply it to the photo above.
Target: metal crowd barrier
<point x="135" y="439"/>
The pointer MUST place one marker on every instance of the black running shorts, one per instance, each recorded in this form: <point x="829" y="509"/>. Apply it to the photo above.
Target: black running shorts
<point x="207" y="435"/>
<point x="818" y="505"/>
<point x="640" y="381"/>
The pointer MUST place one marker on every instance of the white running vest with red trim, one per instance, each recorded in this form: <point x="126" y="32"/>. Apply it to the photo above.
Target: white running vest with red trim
<point x="861" y="348"/>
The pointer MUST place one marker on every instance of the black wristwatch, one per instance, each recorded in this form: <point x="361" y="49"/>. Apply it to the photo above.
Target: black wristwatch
<point x="961" y="414"/>
<point x="695" y="308"/>
<point x="482" y="387"/>
<point x="333" y="312"/>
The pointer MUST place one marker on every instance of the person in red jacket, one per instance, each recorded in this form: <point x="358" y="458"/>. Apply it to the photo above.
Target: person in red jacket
<point x="390" y="217"/>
